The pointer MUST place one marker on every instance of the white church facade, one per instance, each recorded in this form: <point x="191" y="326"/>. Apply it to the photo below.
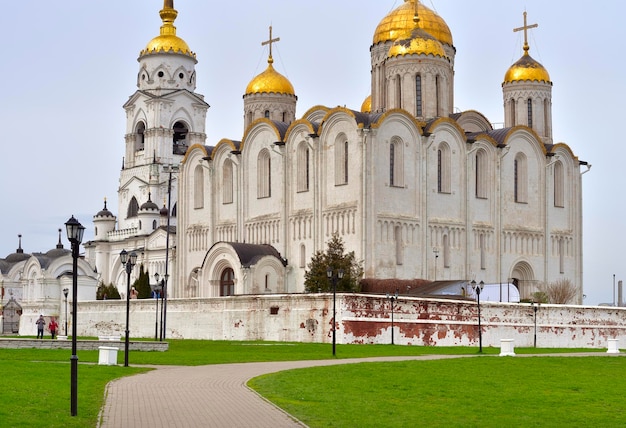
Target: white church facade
<point x="414" y="188"/>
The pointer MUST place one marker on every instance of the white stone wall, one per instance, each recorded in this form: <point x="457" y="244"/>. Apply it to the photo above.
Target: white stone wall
<point x="361" y="319"/>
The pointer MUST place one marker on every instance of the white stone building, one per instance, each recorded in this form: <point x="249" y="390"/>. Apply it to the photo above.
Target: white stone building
<point x="416" y="189"/>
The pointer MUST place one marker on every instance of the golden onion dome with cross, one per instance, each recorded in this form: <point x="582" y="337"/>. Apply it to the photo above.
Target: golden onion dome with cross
<point x="167" y="40"/>
<point x="526" y="68"/>
<point x="270" y="81"/>
<point x="400" y="21"/>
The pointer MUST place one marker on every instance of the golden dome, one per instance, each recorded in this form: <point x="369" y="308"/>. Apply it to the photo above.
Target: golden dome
<point x="270" y="81"/>
<point x="167" y="41"/>
<point x="417" y="41"/>
<point x="366" y="107"/>
<point x="400" y="21"/>
<point x="526" y="68"/>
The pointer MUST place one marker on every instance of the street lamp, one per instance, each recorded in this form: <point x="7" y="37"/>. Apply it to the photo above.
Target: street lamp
<point x="392" y="298"/>
<point x="75" y="232"/>
<point x="478" y="288"/>
<point x="334" y="279"/>
<point x="157" y="287"/>
<point x="128" y="261"/>
<point x="535" y="309"/>
<point x="65" y="293"/>
<point x="436" y="252"/>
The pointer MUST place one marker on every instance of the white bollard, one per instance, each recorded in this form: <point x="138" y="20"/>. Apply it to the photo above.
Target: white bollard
<point x="507" y="348"/>
<point x="107" y="356"/>
<point x="612" y="346"/>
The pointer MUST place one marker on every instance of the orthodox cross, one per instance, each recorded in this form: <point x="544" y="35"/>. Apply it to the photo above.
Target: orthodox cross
<point x="270" y="41"/>
<point x="525" y="28"/>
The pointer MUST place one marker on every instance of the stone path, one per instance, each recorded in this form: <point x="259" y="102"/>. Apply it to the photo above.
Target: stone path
<point x="210" y="396"/>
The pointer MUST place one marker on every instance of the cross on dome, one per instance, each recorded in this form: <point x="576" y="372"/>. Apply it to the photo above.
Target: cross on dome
<point x="525" y="28"/>
<point x="269" y="42"/>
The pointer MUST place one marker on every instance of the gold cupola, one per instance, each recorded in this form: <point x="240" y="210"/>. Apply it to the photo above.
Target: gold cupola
<point x="526" y="69"/>
<point x="366" y="107"/>
<point x="270" y="81"/>
<point x="400" y="21"/>
<point x="167" y="40"/>
<point x="416" y="42"/>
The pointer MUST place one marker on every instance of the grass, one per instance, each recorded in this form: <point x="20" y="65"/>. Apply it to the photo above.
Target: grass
<point x="36" y="382"/>
<point x="467" y="392"/>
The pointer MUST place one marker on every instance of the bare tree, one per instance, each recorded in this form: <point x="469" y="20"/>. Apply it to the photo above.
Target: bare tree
<point x="560" y="292"/>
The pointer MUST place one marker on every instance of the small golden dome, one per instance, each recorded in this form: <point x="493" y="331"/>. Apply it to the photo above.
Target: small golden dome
<point x="366" y="107"/>
<point x="417" y="42"/>
<point x="167" y="41"/>
<point x="400" y="21"/>
<point x="270" y="81"/>
<point x="526" y="68"/>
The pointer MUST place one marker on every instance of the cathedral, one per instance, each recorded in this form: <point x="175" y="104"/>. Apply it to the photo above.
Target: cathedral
<point x="413" y="187"/>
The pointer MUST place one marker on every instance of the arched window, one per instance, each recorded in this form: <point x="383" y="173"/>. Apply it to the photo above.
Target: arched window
<point x="512" y="112"/>
<point x="180" y="138"/>
<point x="303" y="167"/>
<point x="133" y="208"/>
<point x="482" y="251"/>
<point x="443" y="168"/>
<point x="154" y="224"/>
<point x="418" y="96"/>
<point x="559" y="184"/>
<point x="198" y="187"/>
<point x="398" y="92"/>
<point x="521" y="178"/>
<point x="264" y="170"/>
<point x="174" y="209"/>
<point x="546" y="118"/>
<point x="266" y="114"/>
<point x="302" y="256"/>
<point x="561" y="255"/>
<point x="446" y="251"/>
<point x="399" y="246"/>
<point x="530" y="112"/>
<point x="481" y="174"/>
<point x="227" y="282"/>
<point x="396" y="163"/>
<point x="227" y="182"/>
<point x="341" y="161"/>
<point x="438" y="94"/>
<point x="139" y="136"/>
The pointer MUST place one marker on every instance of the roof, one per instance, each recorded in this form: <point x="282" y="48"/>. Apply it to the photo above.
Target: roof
<point x="249" y="254"/>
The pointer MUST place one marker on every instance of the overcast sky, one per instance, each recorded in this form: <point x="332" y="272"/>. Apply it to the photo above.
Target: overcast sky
<point x="69" y="66"/>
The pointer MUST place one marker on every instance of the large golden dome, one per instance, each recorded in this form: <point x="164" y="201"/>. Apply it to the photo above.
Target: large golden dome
<point x="167" y="41"/>
<point x="526" y="68"/>
<point x="400" y="21"/>
<point x="270" y="81"/>
<point x="417" y="42"/>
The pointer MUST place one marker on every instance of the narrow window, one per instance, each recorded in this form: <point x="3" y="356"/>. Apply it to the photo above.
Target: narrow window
<point x="530" y="113"/>
<point x="264" y="178"/>
<point x="227" y="182"/>
<point x="559" y="194"/>
<point x="418" y="96"/>
<point x="398" y="94"/>
<point x="140" y="136"/>
<point x="303" y="167"/>
<point x="399" y="246"/>
<point x="391" y="164"/>
<point x="520" y="179"/>
<point x="198" y="187"/>
<point x="345" y="162"/>
<point x="561" y="256"/>
<point x="481" y="174"/>
<point x="438" y="94"/>
<point x="482" y="251"/>
<point x="443" y="169"/>
<point x="302" y="256"/>
<point x="446" y="251"/>
<point x="512" y="112"/>
<point x="266" y="114"/>
<point x="180" y="138"/>
<point x="341" y="161"/>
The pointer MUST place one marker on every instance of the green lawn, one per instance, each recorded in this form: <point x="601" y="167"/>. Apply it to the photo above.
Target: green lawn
<point x="36" y="382"/>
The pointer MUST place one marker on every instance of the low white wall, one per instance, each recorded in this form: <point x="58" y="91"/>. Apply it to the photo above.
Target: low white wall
<point x="361" y="319"/>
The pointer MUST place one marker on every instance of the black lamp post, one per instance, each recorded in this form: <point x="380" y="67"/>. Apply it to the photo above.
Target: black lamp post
<point x="65" y="293"/>
<point x="128" y="261"/>
<point x="478" y="288"/>
<point x="75" y="232"/>
<point x="334" y="279"/>
<point x="535" y="309"/>
<point x="392" y="298"/>
<point x="157" y="287"/>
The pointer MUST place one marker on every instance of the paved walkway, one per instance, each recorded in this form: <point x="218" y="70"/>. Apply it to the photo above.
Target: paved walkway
<point x="209" y="396"/>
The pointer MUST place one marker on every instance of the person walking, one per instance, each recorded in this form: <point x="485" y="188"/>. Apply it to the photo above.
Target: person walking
<point x="41" y="323"/>
<point x="53" y="326"/>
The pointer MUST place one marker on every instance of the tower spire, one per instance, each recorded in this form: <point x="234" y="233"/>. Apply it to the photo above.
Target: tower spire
<point x="525" y="29"/>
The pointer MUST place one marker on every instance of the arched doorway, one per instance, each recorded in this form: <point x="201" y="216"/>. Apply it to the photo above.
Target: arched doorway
<point x="12" y="312"/>
<point x="524" y="279"/>
<point x="227" y="282"/>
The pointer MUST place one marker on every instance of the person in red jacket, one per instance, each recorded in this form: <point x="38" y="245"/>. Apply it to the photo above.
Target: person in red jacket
<point x="53" y="327"/>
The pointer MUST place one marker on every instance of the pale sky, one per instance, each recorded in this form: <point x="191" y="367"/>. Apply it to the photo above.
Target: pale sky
<point x="70" y="65"/>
